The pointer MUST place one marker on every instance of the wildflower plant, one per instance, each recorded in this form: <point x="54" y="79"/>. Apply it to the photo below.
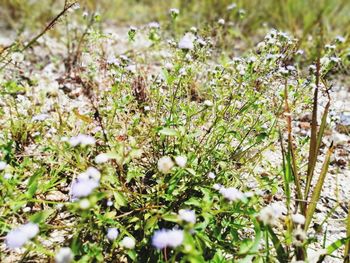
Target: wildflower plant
<point x="157" y="156"/>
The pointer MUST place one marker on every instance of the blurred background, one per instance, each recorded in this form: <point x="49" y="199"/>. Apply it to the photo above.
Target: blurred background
<point x="247" y="17"/>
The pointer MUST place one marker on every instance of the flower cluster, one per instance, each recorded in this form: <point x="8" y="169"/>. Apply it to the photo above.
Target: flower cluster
<point x="17" y="237"/>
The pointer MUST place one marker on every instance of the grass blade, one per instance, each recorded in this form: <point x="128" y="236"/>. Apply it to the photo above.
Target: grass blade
<point x="347" y="245"/>
<point x="318" y="188"/>
<point x="282" y="256"/>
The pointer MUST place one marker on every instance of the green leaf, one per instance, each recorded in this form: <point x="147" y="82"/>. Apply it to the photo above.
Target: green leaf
<point x="41" y="216"/>
<point x="282" y="256"/>
<point x="119" y="200"/>
<point x="33" y="183"/>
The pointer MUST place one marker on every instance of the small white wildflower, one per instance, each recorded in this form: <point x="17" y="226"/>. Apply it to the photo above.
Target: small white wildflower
<point x="201" y="42"/>
<point x="167" y="238"/>
<point x="211" y="175"/>
<point x="84" y="184"/>
<point x="299" y="236"/>
<point x="113" y="61"/>
<point x="154" y="25"/>
<point x="217" y="187"/>
<point x="182" y="72"/>
<point x="165" y="164"/>
<point x="232" y="194"/>
<point x="17" y="57"/>
<point x="193" y="29"/>
<point x="181" y="161"/>
<point x="330" y="47"/>
<point x="102" y="158"/>
<point x="82" y="139"/>
<point x="93" y="173"/>
<point x="270" y="214"/>
<point x="7" y="176"/>
<point x="40" y="117"/>
<point x="208" y="103"/>
<point x="324" y="60"/>
<point x="76" y="6"/>
<point x="133" y="28"/>
<point x="188" y="57"/>
<point x="186" y="41"/>
<point x="221" y="21"/>
<point x="84" y="204"/>
<point x="169" y="66"/>
<point x="3" y="165"/>
<point x="128" y="242"/>
<point x="131" y="68"/>
<point x="187" y="215"/>
<point x="19" y="236"/>
<point x="340" y="39"/>
<point x="299" y="52"/>
<point x="109" y="203"/>
<point x="335" y="59"/>
<point x="174" y="12"/>
<point x="112" y="234"/>
<point x="26" y="209"/>
<point x="231" y="6"/>
<point x="298" y="219"/>
<point x="64" y="255"/>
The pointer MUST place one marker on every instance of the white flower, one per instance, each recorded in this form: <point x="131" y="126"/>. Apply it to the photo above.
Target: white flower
<point x="169" y="66"/>
<point x="208" y="103"/>
<point x="201" y="42"/>
<point x="64" y="255"/>
<point x="231" y="193"/>
<point x="174" y="11"/>
<point x="231" y="6"/>
<point x="93" y="173"/>
<point x="19" y="236"/>
<point x="186" y="41"/>
<point x="340" y="39"/>
<point x="217" y="186"/>
<point x="3" y="165"/>
<point x="112" y="234"/>
<point x="299" y="236"/>
<point x="298" y="219"/>
<point x="330" y="47"/>
<point x="193" y="29"/>
<point x="299" y="52"/>
<point x="84" y="204"/>
<point x="167" y="238"/>
<point x="165" y="164"/>
<point x="187" y="215"/>
<point x="128" y="242"/>
<point x="154" y="25"/>
<point x="7" y="176"/>
<point x="131" y="68"/>
<point x="211" y="175"/>
<point x="335" y="59"/>
<point x="181" y="161"/>
<point x="102" y="158"/>
<point x="85" y="183"/>
<point x="221" y="21"/>
<point x="82" y="139"/>
<point x="40" y="117"/>
<point x="270" y="214"/>
<point x="17" y="57"/>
